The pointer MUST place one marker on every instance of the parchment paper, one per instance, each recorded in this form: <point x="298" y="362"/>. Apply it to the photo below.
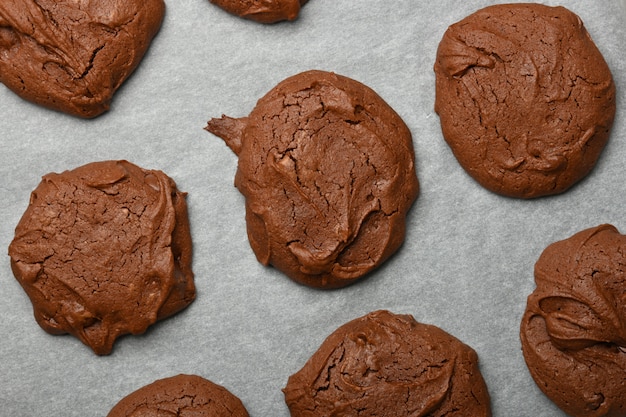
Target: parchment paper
<point x="466" y="265"/>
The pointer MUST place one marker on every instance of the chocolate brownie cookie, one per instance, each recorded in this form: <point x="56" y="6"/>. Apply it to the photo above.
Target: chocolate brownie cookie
<point x="327" y="169"/>
<point x="180" y="395"/>
<point x="73" y="55"/>
<point x="525" y="99"/>
<point x="385" y="364"/>
<point x="264" y="11"/>
<point x="574" y="329"/>
<point x="104" y="250"/>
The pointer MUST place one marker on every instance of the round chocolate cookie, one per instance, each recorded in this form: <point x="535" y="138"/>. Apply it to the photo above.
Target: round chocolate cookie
<point x="574" y="329"/>
<point x="526" y="100"/>
<point x="384" y="364"/>
<point x="328" y="172"/>
<point x="104" y="250"/>
<point x="180" y="396"/>
<point x="264" y="11"/>
<point x="73" y="55"/>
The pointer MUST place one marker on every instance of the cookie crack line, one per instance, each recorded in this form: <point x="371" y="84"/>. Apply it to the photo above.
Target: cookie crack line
<point x="91" y="61"/>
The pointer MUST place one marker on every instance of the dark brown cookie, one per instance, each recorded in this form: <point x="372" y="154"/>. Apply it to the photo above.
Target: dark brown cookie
<point x="574" y="329"/>
<point x="384" y="364"/>
<point x="327" y="169"/>
<point x="264" y="11"/>
<point x="181" y="396"/>
<point x="73" y="55"/>
<point x="104" y="250"/>
<point x="525" y="99"/>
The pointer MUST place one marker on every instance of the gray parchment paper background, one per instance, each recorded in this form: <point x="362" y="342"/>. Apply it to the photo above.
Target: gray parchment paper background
<point x="466" y="265"/>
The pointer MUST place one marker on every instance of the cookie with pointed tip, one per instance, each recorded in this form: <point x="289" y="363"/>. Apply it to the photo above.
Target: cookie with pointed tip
<point x="573" y="331"/>
<point x="180" y="395"/>
<point x="104" y="250"/>
<point x="263" y="11"/>
<point x="328" y="172"/>
<point x="525" y="98"/>
<point x="389" y="365"/>
<point x="70" y="55"/>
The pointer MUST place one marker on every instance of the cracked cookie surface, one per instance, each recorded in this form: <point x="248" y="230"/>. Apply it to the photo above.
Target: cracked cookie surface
<point x="72" y="55"/>
<point x="573" y="332"/>
<point x="384" y="364"/>
<point x="104" y="250"/>
<point x="328" y="172"/>
<point x="525" y="98"/>
<point x="180" y="396"/>
<point x="263" y="11"/>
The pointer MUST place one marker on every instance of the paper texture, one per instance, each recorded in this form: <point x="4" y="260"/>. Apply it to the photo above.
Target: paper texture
<point x="466" y="265"/>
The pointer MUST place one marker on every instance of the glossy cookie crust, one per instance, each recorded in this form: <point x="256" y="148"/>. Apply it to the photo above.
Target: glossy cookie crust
<point x="263" y="11"/>
<point x="328" y="172"/>
<point x="70" y="55"/>
<point x="574" y="329"/>
<point x="104" y="250"/>
<point x="389" y="365"/>
<point x="525" y="98"/>
<point x="180" y="396"/>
